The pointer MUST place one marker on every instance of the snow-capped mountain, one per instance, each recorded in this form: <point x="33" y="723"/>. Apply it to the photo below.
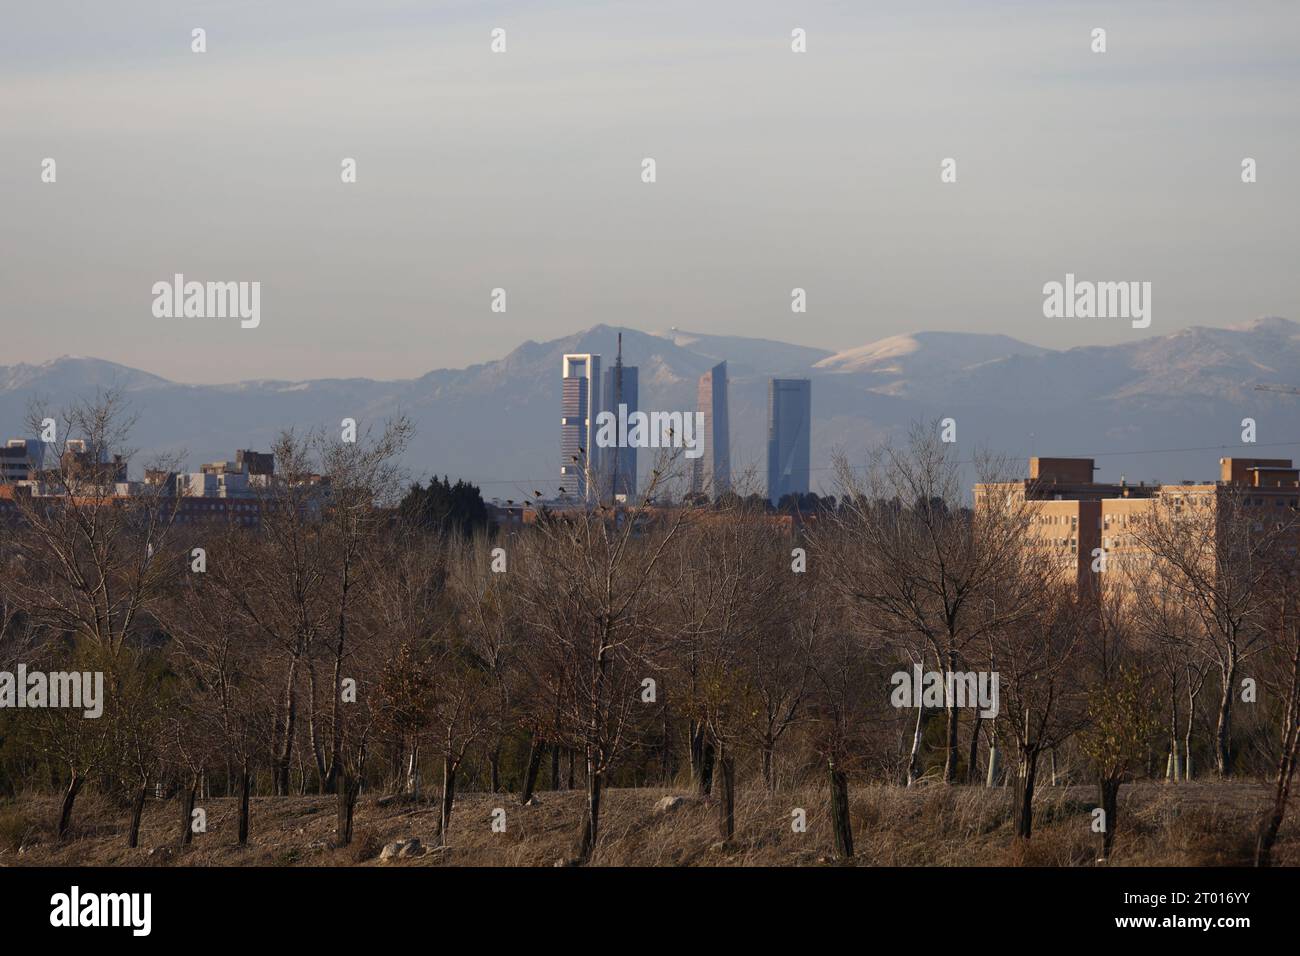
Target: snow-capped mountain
<point x="1161" y="407"/>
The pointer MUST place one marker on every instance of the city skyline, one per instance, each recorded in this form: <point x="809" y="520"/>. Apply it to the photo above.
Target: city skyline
<point x="494" y="424"/>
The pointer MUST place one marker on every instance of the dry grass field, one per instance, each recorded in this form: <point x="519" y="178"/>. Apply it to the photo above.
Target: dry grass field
<point x="1197" y="824"/>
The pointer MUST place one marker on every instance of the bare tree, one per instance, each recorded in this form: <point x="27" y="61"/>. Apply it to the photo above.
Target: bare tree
<point x="1280" y="674"/>
<point x="1214" y="552"/>
<point x="193" y="735"/>
<point x="464" y="710"/>
<point x="363" y="477"/>
<point x="837" y="716"/>
<point x="590" y="603"/>
<point x="1040" y="698"/>
<point x="778" y="671"/>
<point x="90" y="560"/>
<point x="920" y="565"/>
<point x="479" y="588"/>
<point x="138" y="725"/>
<point x="734" y="572"/>
<point x="409" y="607"/>
<point x="92" y="556"/>
<point x="228" y="662"/>
<point x="1168" y="629"/>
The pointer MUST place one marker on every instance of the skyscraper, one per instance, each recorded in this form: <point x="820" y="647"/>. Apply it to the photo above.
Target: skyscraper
<point x="712" y="470"/>
<point x="618" y="465"/>
<point x="789" y="428"/>
<point x="579" y="405"/>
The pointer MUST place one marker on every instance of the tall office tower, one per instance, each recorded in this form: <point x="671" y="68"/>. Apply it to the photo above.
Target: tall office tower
<point x="579" y="406"/>
<point x="618" y="465"/>
<point x="712" y="470"/>
<point x="789" y="428"/>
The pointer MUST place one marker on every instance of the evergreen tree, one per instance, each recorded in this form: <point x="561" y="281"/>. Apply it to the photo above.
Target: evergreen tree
<point x="445" y="508"/>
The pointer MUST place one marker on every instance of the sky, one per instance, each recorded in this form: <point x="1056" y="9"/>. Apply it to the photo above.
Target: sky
<point x="775" y="170"/>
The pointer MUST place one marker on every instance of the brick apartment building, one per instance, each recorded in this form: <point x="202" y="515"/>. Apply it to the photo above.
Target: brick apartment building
<point x="1071" y="515"/>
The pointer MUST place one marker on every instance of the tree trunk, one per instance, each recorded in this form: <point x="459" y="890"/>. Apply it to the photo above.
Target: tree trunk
<point x="412" y="784"/>
<point x="769" y="776"/>
<point x="953" y="747"/>
<point x="572" y="756"/>
<point x="995" y="764"/>
<point x="1268" y="835"/>
<point x="282" y="757"/>
<point x="1223" y="732"/>
<point x="590" y="816"/>
<point x="555" y="766"/>
<point x="914" y="760"/>
<point x="841" y="823"/>
<point x="1026" y="775"/>
<point x="187" y="812"/>
<point x="313" y="730"/>
<point x="973" y="756"/>
<point x="449" y="768"/>
<point x="245" y="792"/>
<point x="702" y="758"/>
<point x="1287" y="760"/>
<point x="666" y="757"/>
<point x="1110" y="806"/>
<point x="1174" y="771"/>
<point x="536" y="747"/>
<point x="1191" y="720"/>
<point x="727" y="797"/>
<point x="137" y="810"/>
<point x="69" y="798"/>
<point x="345" y="809"/>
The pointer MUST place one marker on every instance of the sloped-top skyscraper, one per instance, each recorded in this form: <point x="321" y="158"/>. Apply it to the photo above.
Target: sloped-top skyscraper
<point x="618" y="465"/>
<point x="789" y="437"/>
<point x="579" y="406"/>
<point x="712" y="470"/>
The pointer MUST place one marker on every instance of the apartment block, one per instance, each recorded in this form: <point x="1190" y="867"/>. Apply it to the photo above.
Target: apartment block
<point x="1073" y="519"/>
<point x="21" y="459"/>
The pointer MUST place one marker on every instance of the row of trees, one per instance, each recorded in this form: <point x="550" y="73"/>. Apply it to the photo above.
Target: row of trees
<point x="344" y="642"/>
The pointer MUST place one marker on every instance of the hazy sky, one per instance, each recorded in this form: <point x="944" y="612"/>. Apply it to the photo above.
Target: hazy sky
<point x="522" y="170"/>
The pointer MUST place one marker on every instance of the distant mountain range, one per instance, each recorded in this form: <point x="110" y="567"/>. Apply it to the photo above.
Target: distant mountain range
<point x="1157" y="408"/>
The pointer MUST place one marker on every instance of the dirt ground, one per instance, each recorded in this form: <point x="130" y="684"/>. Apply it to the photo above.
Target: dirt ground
<point x="1193" y="824"/>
